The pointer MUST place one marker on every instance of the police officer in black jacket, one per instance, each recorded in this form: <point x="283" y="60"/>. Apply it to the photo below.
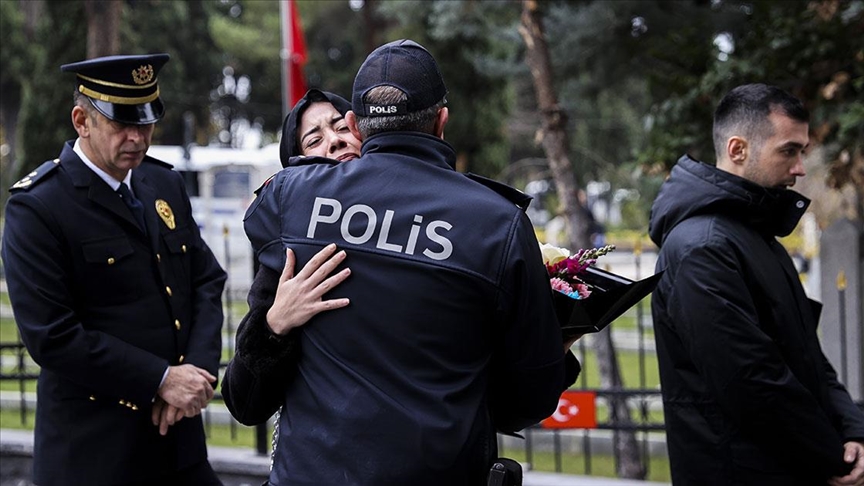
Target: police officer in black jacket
<point x="450" y="334"/>
<point x="116" y="295"/>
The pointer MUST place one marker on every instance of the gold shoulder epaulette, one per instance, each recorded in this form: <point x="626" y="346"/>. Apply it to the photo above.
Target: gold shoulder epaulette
<point x="34" y="177"/>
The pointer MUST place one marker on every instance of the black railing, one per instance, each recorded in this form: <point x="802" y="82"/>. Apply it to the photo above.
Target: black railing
<point x="568" y="447"/>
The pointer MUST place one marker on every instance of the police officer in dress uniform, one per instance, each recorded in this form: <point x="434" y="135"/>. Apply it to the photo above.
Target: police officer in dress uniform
<point x="116" y="295"/>
<point x="443" y="334"/>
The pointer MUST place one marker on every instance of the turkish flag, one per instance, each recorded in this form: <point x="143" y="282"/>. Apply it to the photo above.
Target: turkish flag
<point x="296" y="57"/>
<point x="576" y="410"/>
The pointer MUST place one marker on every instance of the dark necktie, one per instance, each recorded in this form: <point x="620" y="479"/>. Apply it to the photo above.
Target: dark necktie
<point x="133" y="204"/>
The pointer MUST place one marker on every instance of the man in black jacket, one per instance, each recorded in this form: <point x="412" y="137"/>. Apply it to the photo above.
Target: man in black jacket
<point x="450" y="333"/>
<point x="116" y="295"/>
<point x="748" y="396"/>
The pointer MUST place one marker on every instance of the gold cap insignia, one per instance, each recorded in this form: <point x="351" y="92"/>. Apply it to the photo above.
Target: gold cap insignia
<point x="164" y="212"/>
<point x="142" y="75"/>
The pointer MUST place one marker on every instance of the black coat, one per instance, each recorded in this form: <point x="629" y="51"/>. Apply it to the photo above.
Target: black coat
<point x="104" y="309"/>
<point x="450" y="333"/>
<point x="748" y="396"/>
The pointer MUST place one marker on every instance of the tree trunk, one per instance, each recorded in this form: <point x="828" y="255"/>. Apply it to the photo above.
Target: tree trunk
<point x="553" y="133"/>
<point x="371" y="40"/>
<point x="553" y="136"/>
<point x="103" y="27"/>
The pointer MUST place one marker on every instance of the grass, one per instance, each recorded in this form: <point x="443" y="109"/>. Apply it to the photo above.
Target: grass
<point x="12" y="385"/>
<point x="8" y="331"/>
<point x="597" y="464"/>
<point x="217" y="435"/>
<point x="226" y="436"/>
<point x="12" y="419"/>
<point x="629" y="363"/>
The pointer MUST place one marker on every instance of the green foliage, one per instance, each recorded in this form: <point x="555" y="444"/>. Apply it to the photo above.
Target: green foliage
<point x="574" y="463"/>
<point x="44" y="122"/>
<point x="179" y="28"/>
<point x="14" y="43"/>
<point x="182" y="30"/>
<point x="638" y="78"/>
<point x="460" y="35"/>
<point x="337" y="43"/>
<point x="812" y="49"/>
<point x="248" y="36"/>
<point x="599" y="62"/>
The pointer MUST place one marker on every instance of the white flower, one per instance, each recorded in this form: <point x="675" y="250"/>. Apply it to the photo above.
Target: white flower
<point x="553" y="254"/>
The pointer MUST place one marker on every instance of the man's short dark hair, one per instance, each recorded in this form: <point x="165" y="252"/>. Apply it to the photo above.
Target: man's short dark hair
<point x="418" y="121"/>
<point x="744" y="111"/>
<point x="79" y="99"/>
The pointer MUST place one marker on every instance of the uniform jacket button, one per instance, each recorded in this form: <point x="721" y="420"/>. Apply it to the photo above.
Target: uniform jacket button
<point x="177" y="324"/>
<point x="168" y="290"/>
<point x="111" y="261"/>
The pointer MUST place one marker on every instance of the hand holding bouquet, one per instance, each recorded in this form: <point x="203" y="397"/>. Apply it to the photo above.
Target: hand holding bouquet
<point x="586" y="298"/>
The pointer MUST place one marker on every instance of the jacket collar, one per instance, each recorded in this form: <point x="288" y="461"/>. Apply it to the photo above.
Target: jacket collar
<point x="774" y="212"/>
<point x="412" y="144"/>
<point x="101" y="193"/>
<point x="695" y="188"/>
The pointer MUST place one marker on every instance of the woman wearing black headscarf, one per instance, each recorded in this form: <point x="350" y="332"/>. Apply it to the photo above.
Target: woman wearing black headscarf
<point x="316" y="126"/>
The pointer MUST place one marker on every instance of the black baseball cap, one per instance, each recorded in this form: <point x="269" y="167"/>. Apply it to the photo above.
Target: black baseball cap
<point x="123" y="88"/>
<point x="403" y="64"/>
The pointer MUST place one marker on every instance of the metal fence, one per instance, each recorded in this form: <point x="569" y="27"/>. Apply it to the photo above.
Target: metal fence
<point x="604" y="440"/>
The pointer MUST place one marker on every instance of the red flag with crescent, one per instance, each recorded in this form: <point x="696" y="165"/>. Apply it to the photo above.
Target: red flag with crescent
<point x="576" y="410"/>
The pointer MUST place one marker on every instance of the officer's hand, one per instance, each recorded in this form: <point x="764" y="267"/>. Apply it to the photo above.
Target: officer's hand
<point x="164" y="415"/>
<point x="853" y="454"/>
<point x="298" y="298"/>
<point x="188" y="388"/>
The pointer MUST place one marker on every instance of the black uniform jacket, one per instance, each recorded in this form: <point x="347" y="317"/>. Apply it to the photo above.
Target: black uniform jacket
<point x="450" y="333"/>
<point x="104" y="309"/>
<point x="748" y="396"/>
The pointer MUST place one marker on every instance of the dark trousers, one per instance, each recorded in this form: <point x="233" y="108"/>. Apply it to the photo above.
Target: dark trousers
<point x="201" y="474"/>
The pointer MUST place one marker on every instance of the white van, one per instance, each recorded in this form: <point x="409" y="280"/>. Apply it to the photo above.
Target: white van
<point x="221" y="183"/>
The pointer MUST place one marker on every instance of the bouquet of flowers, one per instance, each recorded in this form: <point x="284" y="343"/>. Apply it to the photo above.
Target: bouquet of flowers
<point x="586" y="298"/>
<point x="565" y="269"/>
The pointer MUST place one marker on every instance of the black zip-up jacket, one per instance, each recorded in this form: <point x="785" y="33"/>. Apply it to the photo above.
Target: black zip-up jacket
<point x="450" y="334"/>
<point x="748" y="396"/>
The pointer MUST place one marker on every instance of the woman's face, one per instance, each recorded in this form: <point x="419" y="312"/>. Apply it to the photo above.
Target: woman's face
<point x="323" y="132"/>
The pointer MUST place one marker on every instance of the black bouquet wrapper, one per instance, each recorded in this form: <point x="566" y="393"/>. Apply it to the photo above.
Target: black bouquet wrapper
<point x="611" y="296"/>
